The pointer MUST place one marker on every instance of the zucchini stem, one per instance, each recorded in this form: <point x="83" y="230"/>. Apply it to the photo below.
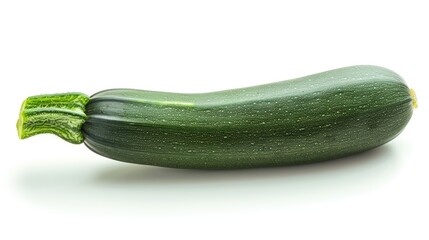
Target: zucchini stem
<point x="60" y="114"/>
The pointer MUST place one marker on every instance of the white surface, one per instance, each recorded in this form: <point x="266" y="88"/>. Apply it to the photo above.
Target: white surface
<point x="50" y="189"/>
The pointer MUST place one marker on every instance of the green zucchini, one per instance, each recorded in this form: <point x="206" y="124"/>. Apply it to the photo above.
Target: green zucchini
<point x="310" y="119"/>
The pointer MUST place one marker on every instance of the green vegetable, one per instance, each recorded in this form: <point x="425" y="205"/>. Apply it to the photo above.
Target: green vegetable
<point x="314" y="118"/>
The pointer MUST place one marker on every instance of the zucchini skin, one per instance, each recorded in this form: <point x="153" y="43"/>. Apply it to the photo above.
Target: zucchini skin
<point x="310" y="119"/>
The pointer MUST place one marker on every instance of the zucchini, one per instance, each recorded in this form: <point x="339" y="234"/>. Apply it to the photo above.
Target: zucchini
<point x="305" y="120"/>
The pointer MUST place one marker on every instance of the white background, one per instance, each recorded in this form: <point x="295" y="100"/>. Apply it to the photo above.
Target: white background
<point x="50" y="189"/>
